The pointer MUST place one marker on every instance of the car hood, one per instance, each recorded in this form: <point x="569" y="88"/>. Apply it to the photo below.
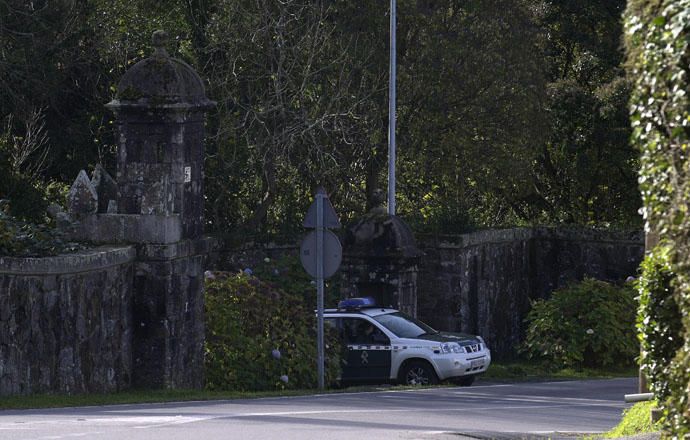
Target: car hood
<point x="460" y="338"/>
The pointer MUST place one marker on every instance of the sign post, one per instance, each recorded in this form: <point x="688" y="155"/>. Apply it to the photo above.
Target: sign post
<point x="320" y="254"/>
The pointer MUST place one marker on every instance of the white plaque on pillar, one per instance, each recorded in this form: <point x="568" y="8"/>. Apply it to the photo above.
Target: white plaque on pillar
<point x="187" y="174"/>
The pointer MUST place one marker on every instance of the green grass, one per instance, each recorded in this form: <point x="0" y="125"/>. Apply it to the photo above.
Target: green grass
<point x="132" y="397"/>
<point x="508" y="372"/>
<point x="525" y="371"/>
<point x="636" y="420"/>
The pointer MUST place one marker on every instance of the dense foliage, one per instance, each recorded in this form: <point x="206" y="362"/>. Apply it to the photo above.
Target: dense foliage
<point x="658" y="320"/>
<point x="509" y="110"/>
<point x="29" y="239"/>
<point x="248" y="321"/>
<point x="658" y="44"/>
<point x="588" y="324"/>
<point x="585" y="170"/>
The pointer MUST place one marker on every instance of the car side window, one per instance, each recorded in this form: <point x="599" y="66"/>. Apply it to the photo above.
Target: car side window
<point x="361" y="331"/>
<point x="333" y="326"/>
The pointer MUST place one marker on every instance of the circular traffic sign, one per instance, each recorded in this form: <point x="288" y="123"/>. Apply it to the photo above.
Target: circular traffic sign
<point x="332" y="253"/>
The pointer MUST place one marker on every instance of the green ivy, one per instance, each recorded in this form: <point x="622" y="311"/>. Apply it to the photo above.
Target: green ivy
<point x="660" y="330"/>
<point x="658" y="54"/>
<point x="588" y="324"/>
<point x="246" y="320"/>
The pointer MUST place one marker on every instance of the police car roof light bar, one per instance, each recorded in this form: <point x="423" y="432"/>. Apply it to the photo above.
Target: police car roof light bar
<point x="357" y="303"/>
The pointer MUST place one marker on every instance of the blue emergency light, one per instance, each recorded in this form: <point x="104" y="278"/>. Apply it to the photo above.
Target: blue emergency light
<point x="357" y="303"/>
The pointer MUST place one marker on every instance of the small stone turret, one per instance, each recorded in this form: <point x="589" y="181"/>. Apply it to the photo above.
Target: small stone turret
<point x="160" y="109"/>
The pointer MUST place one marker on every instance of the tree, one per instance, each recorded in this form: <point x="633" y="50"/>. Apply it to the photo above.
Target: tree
<point x="585" y="172"/>
<point x="470" y="89"/>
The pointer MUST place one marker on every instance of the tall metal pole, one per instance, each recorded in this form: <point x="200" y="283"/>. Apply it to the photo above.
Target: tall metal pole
<point x="319" y="288"/>
<point x="391" y="113"/>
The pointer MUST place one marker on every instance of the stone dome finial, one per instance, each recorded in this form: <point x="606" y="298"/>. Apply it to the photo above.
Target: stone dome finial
<point x="160" y="40"/>
<point x="160" y="81"/>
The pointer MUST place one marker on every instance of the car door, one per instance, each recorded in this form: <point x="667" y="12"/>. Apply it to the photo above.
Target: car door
<point x="368" y="354"/>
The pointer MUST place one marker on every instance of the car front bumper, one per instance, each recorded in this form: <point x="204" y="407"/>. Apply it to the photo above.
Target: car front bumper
<point x="456" y="366"/>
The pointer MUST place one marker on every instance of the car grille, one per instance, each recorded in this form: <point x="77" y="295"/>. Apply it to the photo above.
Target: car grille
<point x="473" y="348"/>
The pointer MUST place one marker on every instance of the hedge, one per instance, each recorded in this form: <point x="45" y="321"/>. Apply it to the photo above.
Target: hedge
<point x="658" y="55"/>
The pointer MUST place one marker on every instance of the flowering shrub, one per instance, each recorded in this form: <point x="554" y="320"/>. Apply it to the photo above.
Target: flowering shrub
<point x="258" y="337"/>
<point x="588" y="324"/>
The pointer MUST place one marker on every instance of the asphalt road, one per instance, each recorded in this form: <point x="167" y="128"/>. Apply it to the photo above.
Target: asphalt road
<point x="523" y="410"/>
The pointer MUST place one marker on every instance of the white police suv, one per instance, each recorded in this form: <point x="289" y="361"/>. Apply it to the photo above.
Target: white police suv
<point x="384" y="345"/>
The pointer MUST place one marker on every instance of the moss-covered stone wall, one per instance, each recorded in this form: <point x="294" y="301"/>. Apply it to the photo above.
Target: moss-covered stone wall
<point x="66" y="322"/>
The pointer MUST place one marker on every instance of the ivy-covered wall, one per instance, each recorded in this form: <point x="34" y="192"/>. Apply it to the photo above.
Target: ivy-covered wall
<point x="658" y="58"/>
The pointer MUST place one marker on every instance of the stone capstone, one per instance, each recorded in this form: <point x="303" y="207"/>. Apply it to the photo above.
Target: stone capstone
<point x="128" y="228"/>
<point x="106" y="188"/>
<point x="381" y="235"/>
<point x="82" y="198"/>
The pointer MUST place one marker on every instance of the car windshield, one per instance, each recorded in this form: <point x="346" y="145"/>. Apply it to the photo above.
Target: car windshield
<point x="404" y="326"/>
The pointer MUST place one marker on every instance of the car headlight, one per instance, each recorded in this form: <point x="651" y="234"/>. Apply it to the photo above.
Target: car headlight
<point x="451" y="347"/>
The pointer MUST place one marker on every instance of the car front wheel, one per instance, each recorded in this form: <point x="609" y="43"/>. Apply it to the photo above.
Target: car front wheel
<point x="418" y="373"/>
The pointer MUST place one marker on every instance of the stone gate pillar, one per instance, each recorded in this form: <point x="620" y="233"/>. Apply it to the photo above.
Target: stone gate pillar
<point x="160" y="108"/>
<point x="381" y="259"/>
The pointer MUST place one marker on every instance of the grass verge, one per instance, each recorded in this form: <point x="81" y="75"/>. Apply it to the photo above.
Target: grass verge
<point x="510" y="372"/>
<point x="523" y="371"/>
<point x="636" y="420"/>
<point x="133" y="397"/>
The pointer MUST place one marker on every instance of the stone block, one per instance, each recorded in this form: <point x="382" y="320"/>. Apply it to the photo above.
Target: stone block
<point x="126" y="228"/>
<point x="82" y="198"/>
<point x="106" y="188"/>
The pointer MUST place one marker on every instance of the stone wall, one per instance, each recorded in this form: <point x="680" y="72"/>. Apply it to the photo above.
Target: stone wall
<point x="168" y="315"/>
<point x="65" y="322"/>
<point x="91" y="321"/>
<point x="483" y="283"/>
<point x="249" y="255"/>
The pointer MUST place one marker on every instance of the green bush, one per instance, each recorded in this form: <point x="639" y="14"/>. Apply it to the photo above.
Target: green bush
<point x="20" y="238"/>
<point x="588" y="324"/>
<point x="288" y="274"/>
<point x="659" y="325"/>
<point x="246" y="319"/>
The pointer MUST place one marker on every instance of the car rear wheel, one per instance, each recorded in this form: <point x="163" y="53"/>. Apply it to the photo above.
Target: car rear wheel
<point x="418" y="373"/>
